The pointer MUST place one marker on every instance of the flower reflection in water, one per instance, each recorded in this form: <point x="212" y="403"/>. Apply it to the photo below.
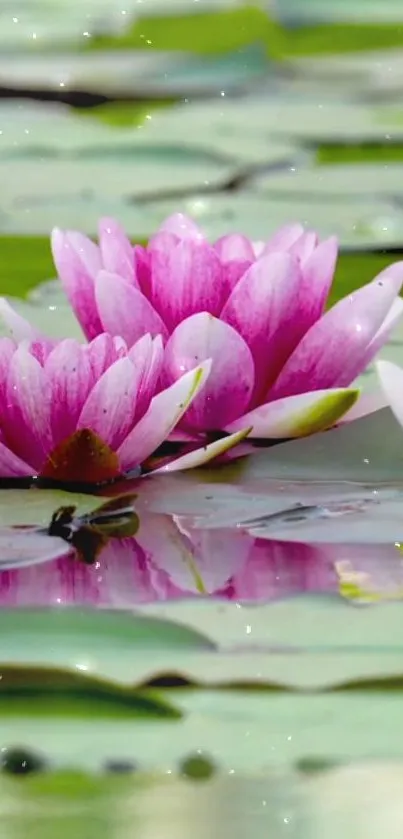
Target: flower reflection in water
<point x="168" y="561"/>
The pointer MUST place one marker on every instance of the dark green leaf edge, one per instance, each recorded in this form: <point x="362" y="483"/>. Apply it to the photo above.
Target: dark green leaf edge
<point x="45" y="686"/>
<point x="45" y="690"/>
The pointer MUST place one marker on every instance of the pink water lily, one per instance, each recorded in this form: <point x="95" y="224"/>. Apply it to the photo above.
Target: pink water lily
<point x="280" y="363"/>
<point x="89" y="412"/>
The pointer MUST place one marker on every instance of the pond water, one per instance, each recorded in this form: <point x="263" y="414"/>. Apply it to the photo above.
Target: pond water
<point x="222" y="653"/>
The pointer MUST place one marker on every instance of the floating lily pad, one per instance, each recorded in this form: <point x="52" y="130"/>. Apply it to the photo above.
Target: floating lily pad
<point x="218" y="130"/>
<point x="37" y="129"/>
<point x="352" y="182"/>
<point x="36" y="217"/>
<point x="375" y="72"/>
<point x="298" y="118"/>
<point x="142" y="174"/>
<point x="367" y="452"/>
<point x="314" y="11"/>
<point x="139" y="73"/>
<point x="360" y="224"/>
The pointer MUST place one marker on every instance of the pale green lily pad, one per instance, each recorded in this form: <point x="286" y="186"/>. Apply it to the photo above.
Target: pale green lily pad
<point x="312" y="623"/>
<point x="368" y="451"/>
<point x="375" y="72"/>
<point x="75" y="212"/>
<point x="311" y="643"/>
<point x="115" y="72"/>
<point x="110" y="72"/>
<point x="359" y="225"/>
<point x="208" y="129"/>
<point x="295" y="117"/>
<point x="341" y="11"/>
<point x="353" y="182"/>
<point x="37" y="129"/>
<point x="140" y="174"/>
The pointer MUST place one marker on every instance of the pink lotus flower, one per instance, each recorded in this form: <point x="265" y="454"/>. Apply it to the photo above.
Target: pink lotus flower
<point x="89" y="412"/>
<point x="280" y="363"/>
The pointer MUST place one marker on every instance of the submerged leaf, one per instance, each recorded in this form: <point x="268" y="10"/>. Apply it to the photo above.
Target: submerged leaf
<point x="82" y="458"/>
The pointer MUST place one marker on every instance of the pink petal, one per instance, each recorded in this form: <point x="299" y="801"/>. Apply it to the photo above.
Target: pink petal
<point x="297" y="416"/>
<point x="161" y="241"/>
<point x="124" y="310"/>
<point x="230" y="384"/>
<point x="7" y="350"/>
<point x="110" y="407"/>
<point x="339" y="339"/>
<point x="317" y="277"/>
<point x="283" y="239"/>
<point x="383" y="335"/>
<point x="198" y="561"/>
<point x="20" y="329"/>
<point x="181" y="226"/>
<point x="165" y="411"/>
<point x="147" y="357"/>
<point x="26" y="422"/>
<point x="116" y="250"/>
<point x="262" y="308"/>
<point x="391" y="380"/>
<point x="170" y="552"/>
<point x="305" y="246"/>
<point x="280" y="569"/>
<point x="199" y="457"/>
<point x="123" y="575"/>
<point x="64" y="581"/>
<point x="11" y="466"/>
<point x="142" y="269"/>
<point x="180" y="436"/>
<point x="69" y="372"/>
<point x="237" y="255"/>
<point x="41" y="349"/>
<point x="77" y="261"/>
<point x="186" y="279"/>
<point x="234" y="248"/>
<point x="104" y="351"/>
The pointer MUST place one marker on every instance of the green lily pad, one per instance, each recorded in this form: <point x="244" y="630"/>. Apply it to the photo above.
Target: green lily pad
<point x="51" y="693"/>
<point x="209" y="31"/>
